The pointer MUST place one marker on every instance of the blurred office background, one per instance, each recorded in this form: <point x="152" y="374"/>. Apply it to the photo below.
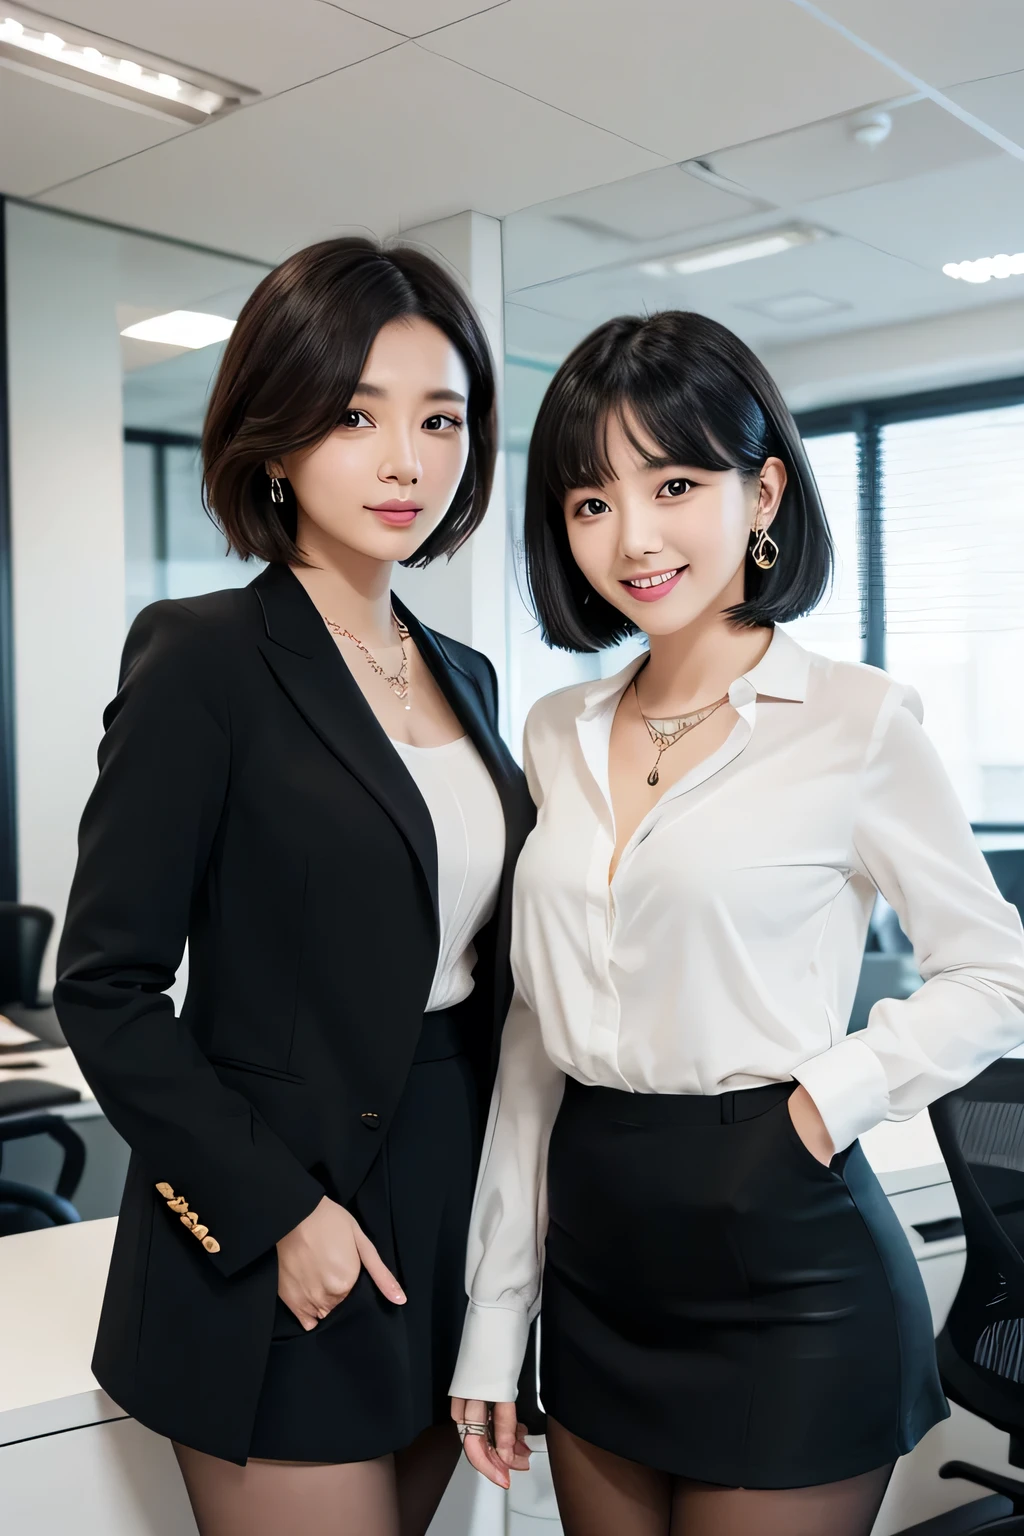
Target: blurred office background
<point x="840" y="183"/>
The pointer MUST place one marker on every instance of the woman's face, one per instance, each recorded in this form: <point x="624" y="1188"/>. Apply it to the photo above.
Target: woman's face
<point x="381" y="482"/>
<point x="666" y="544"/>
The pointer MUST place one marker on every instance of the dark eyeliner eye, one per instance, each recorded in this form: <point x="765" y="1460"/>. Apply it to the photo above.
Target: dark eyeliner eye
<point x="354" y="418"/>
<point x="592" y="507"/>
<point x="677" y="487"/>
<point x="439" y="422"/>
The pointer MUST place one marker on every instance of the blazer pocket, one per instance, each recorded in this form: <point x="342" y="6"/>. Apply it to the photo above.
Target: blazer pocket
<point x="257" y="1068"/>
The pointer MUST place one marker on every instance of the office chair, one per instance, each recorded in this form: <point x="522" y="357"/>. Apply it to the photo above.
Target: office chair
<point x="1007" y="866"/>
<point x="24" y="934"/>
<point x="24" y="1208"/>
<point x="980" y="1131"/>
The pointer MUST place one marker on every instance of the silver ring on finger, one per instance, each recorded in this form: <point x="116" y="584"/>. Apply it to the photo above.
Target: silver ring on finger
<point x="468" y="1429"/>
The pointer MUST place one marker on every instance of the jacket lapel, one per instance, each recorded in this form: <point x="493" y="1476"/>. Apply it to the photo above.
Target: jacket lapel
<point x="304" y="658"/>
<point x="463" y="694"/>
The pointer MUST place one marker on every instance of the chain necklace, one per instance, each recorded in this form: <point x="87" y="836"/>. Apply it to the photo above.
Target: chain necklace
<point x="665" y="733"/>
<point x="398" y="682"/>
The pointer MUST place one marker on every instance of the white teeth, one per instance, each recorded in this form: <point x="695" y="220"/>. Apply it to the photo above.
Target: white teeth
<point x="653" y="581"/>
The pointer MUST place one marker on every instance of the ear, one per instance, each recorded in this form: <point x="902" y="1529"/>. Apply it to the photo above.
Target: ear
<point x="273" y="467"/>
<point x="768" y="494"/>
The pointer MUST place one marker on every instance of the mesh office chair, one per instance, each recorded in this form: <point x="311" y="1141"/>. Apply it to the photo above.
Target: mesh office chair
<point x="24" y="934"/>
<point x="980" y="1130"/>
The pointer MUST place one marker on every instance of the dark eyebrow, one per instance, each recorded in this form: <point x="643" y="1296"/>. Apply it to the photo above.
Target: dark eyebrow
<point x="374" y="392"/>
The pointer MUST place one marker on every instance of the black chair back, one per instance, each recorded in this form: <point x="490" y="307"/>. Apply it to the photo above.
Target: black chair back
<point x="980" y="1130"/>
<point x="24" y="934"/>
<point x="1007" y="866"/>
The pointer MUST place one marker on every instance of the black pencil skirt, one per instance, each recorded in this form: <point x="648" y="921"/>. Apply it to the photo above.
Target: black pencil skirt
<point x="372" y="1375"/>
<point x="720" y="1305"/>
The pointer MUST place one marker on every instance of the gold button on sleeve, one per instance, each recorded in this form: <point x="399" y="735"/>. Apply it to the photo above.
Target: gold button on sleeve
<point x="165" y="1191"/>
<point x="211" y="1245"/>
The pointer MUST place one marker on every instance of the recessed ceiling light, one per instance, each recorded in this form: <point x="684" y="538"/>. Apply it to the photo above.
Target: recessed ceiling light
<point x="794" y="307"/>
<point x="704" y="258"/>
<point x="95" y="65"/>
<point x="182" y="328"/>
<point x="986" y="267"/>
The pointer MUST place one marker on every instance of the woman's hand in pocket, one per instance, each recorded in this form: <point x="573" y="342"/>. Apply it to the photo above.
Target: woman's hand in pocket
<point x="318" y="1263"/>
<point x="809" y="1125"/>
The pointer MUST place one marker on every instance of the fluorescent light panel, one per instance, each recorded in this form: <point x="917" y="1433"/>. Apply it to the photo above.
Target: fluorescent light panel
<point x="66" y="55"/>
<point x="182" y="328"/>
<point x="704" y="258"/>
<point x="986" y="268"/>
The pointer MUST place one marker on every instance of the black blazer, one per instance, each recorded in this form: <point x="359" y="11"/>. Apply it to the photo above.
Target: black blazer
<point x="249" y="801"/>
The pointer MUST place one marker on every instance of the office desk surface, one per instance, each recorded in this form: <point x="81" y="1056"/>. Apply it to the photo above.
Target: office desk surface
<point x="51" y="1286"/>
<point x="54" y="1066"/>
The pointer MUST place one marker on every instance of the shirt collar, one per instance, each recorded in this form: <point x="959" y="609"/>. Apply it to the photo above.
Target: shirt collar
<point x="781" y="673"/>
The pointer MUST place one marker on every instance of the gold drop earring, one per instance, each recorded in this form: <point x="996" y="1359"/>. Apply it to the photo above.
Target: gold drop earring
<point x="764" y="551"/>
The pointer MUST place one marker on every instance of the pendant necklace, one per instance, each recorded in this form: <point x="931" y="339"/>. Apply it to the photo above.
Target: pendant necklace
<point x="665" y="733"/>
<point x="398" y="682"/>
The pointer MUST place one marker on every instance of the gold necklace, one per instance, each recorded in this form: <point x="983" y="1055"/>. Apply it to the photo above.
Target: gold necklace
<point x="398" y="681"/>
<point x="665" y="733"/>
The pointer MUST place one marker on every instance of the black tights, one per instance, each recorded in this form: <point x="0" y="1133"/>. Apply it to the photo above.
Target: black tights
<point x="390" y="1496"/>
<point x="600" y="1494"/>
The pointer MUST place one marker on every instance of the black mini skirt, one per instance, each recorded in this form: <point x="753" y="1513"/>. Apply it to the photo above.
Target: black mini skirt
<point x="720" y="1305"/>
<point x="372" y="1375"/>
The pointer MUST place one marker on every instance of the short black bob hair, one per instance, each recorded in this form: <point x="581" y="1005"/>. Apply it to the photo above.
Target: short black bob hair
<point x="290" y="369"/>
<point x="700" y="394"/>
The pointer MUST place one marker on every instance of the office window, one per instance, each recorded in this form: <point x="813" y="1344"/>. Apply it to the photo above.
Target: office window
<point x="953" y="562"/>
<point x="834" y="627"/>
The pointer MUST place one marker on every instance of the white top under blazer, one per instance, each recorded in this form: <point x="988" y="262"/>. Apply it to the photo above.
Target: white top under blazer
<point x="725" y="952"/>
<point x="469" y="826"/>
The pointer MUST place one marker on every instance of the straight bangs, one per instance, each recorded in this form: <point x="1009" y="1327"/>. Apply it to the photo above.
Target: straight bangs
<point x="686" y="390"/>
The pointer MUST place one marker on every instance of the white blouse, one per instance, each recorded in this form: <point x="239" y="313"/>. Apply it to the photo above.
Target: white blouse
<point x="469" y="826"/>
<point x="725" y="952"/>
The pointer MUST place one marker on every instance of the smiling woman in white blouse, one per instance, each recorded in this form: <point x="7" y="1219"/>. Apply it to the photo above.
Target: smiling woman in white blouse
<point x="734" y="1335"/>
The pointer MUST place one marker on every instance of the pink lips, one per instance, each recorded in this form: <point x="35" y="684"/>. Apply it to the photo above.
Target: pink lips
<point x="397" y="514"/>
<point x="652" y="594"/>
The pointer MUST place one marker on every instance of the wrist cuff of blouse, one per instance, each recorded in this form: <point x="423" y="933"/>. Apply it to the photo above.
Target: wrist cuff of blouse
<point x="849" y="1089"/>
<point x="491" y="1354"/>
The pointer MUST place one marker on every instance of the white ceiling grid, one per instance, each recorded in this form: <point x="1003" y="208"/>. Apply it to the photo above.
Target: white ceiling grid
<point x="382" y="114"/>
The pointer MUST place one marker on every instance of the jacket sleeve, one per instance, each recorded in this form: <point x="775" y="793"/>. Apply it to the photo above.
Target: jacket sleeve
<point x="913" y="841"/>
<point x="144" y="845"/>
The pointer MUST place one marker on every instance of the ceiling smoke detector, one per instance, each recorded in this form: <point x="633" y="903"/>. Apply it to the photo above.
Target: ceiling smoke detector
<point x="872" y="131"/>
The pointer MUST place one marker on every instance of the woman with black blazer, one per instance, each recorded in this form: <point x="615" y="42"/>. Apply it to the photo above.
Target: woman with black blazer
<point x="308" y="787"/>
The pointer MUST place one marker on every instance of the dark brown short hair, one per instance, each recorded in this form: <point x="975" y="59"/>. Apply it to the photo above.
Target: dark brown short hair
<point x="705" y="399"/>
<point x="291" y="367"/>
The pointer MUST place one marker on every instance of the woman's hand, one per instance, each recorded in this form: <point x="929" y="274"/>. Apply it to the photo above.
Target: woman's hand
<point x="509" y="1452"/>
<point x="809" y="1125"/>
<point x="318" y="1263"/>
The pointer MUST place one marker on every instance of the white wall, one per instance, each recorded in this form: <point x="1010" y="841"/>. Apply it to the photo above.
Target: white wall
<point x="976" y="344"/>
<point x="67" y="529"/>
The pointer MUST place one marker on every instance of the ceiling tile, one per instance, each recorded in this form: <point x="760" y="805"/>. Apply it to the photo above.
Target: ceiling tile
<point x="305" y="165"/>
<point x="611" y="223"/>
<point x="49" y="134"/>
<point x="259" y="43"/>
<point x="414" y="17"/>
<point x="957" y="214"/>
<point x="942" y="41"/>
<point x="999" y="102"/>
<point x="824" y="158"/>
<point x="663" y="78"/>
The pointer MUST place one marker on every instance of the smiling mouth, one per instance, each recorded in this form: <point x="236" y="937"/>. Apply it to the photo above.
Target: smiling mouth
<point x="645" y="583"/>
